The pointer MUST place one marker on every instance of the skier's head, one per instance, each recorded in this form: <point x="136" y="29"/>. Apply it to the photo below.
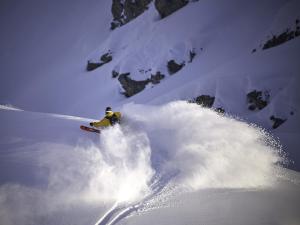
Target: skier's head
<point x="108" y="110"/>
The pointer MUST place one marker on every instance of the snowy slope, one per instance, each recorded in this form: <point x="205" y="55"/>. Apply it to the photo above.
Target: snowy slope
<point x="54" y="173"/>
<point x="224" y="67"/>
<point x="169" y="162"/>
<point x="223" y="35"/>
<point x="44" y="46"/>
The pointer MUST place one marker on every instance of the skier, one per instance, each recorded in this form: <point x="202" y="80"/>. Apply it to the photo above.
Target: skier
<point x="111" y="118"/>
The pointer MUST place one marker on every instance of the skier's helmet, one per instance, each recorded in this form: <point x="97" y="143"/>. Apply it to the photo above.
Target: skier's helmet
<point x="108" y="109"/>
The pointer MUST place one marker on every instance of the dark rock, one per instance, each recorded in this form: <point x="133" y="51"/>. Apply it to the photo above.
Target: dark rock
<point x="204" y="100"/>
<point x="133" y="9"/>
<point x="106" y="58"/>
<point x="167" y="7"/>
<point x="192" y="55"/>
<point x="254" y="50"/>
<point x="220" y="110"/>
<point x="256" y="101"/>
<point x="252" y="107"/>
<point x="127" y="11"/>
<point x="114" y="25"/>
<point x="173" y="67"/>
<point x="155" y="79"/>
<point x="277" y="121"/>
<point x="92" y="66"/>
<point x="130" y="86"/>
<point x="117" y="9"/>
<point x="114" y="74"/>
<point x="281" y="38"/>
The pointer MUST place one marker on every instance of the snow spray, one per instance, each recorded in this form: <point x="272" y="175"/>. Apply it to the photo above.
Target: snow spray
<point x="203" y="148"/>
<point x="177" y="143"/>
<point x="191" y="146"/>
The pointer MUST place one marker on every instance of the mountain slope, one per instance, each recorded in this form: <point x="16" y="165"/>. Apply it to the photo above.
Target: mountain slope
<point x="169" y="162"/>
<point x="223" y="37"/>
<point x="54" y="173"/>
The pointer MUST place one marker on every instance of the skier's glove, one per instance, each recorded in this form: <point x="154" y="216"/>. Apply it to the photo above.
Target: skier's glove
<point x="91" y="124"/>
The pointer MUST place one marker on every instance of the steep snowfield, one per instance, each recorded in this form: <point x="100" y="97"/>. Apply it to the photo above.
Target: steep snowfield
<point x="223" y="36"/>
<point x="44" y="48"/>
<point x="54" y="173"/>
<point x="169" y="162"/>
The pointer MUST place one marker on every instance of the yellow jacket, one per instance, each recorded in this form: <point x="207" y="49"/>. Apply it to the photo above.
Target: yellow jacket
<point x="105" y="122"/>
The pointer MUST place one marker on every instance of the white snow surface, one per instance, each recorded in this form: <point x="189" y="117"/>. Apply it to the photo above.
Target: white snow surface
<point x="53" y="173"/>
<point x="169" y="162"/>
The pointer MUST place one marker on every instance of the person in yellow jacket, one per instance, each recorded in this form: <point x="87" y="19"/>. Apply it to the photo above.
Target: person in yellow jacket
<point x="111" y="118"/>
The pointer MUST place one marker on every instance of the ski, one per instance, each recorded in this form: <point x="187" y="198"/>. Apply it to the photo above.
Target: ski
<point x="90" y="129"/>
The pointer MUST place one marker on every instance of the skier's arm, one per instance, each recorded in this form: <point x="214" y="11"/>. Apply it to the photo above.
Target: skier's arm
<point x="102" y="123"/>
<point x="118" y="114"/>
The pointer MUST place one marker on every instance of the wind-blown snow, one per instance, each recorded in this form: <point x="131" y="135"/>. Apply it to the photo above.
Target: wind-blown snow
<point x="204" y="150"/>
<point x="217" y="169"/>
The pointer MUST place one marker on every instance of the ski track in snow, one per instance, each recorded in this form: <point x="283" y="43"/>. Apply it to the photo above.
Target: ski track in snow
<point x="119" y="211"/>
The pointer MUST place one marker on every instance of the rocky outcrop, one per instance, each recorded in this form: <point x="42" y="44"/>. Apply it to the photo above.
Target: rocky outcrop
<point x="155" y="79"/>
<point x="126" y="10"/>
<point x="285" y="36"/>
<point x="92" y="65"/>
<point x="131" y="87"/>
<point x="277" y="121"/>
<point x="114" y="74"/>
<point x="204" y="100"/>
<point x="167" y="7"/>
<point x="105" y="58"/>
<point x="281" y="38"/>
<point x="174" y="67"/>
<point x="257" y="100"/>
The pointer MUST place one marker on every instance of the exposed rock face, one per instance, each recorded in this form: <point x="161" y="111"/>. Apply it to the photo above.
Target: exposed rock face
<point x="133" y="87"/>
<point x="285" y="36"/>
<point x="281" y="38"/>
<point x="167" y="7"/>
<point x="130" y="86"/>
<point x="257" y="100"/>
<point x="114" y="74"/>
<point x="105" y="58"/>
<point x="92" y="66"/>
<point x="117" y="9"/>
<point x="126" y="10"/>
<point x="204" y="100"/>
<point x="276" y="121"/>
<point x="155" y="79"/>
<point x="174" y="67"/>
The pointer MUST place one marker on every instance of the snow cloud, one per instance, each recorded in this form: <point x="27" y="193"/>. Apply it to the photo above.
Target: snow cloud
<point x="84" y="179"/>
<point x="205" y="149"/>
<point x="177" y="143"/>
